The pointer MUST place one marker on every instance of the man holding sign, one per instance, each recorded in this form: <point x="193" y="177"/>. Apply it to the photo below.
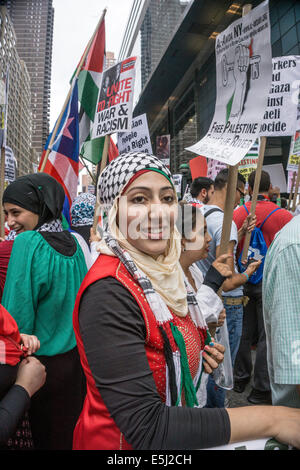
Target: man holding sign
<point x="271" y="219"/>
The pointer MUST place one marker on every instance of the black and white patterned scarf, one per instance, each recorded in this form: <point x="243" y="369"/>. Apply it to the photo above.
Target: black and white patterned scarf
<point x="52" y="226"/>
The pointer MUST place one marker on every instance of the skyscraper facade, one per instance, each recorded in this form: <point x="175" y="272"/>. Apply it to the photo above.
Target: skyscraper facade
<point x="19" y="114"/>
<point x="33" y="25"/>
<point x="161" y="19"/>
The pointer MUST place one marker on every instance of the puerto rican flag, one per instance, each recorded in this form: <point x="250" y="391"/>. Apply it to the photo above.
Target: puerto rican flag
<point x="63" y="159"/>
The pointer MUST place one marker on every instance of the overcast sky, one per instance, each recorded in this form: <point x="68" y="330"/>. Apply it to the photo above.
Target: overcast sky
<point x="74" y="24"/>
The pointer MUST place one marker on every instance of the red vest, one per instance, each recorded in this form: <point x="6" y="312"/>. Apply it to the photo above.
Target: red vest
<point x="95" y="429"/>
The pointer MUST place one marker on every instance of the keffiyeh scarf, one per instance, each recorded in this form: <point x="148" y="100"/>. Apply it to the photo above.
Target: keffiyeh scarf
<point x="110" y="186"/>
<point x="52" y="226"/>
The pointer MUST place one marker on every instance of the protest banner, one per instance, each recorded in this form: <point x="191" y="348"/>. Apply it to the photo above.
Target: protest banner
<point x="249" y="162"/>
<point x="277" y="175"/>
<point x="177" y="180"/>
<point x="163" y="149"/>
<point x="198" y="167"/>
<point x="10" y="165"/>
<point x="138" y="139"/>
<point x="214" y="167"/>
<point x="256" y="444"/>
<point x="281" y="112"/>
<point x="115" y="100"/>
<point x="244" y="76"/>
<point x="294" y="155"/>
<point x="291" y="181"/>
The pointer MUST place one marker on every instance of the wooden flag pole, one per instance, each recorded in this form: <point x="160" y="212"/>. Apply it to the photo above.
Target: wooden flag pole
<point x="102" y="166"/>
<point x="229" y="207"/>
<point x="261" y="154"/>
<point x="69" y="93"/>
<point x="88" y="170"/>
<point x="2" y="178"/>
<point x="292" y="190"/>
<point x="296" y="189"/>
<point x="231" y="191"/>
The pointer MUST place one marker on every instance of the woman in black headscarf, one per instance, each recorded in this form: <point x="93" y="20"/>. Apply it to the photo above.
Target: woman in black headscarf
<point x="45" y="271"/>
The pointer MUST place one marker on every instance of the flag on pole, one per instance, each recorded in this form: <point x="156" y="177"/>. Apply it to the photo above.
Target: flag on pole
<point x="89" y="80"/>
<point x="63" y="159"/>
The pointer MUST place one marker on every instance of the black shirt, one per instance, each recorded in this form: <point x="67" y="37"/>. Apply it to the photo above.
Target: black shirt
<point x="113" y="333"/>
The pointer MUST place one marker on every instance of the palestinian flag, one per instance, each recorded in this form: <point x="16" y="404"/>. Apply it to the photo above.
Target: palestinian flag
<point x="89" y="80"/>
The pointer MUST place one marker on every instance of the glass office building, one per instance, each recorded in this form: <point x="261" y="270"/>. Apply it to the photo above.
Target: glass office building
<point x="179" y="96"/>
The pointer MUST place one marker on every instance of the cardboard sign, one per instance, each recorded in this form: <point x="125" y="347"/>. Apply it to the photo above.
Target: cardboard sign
<point x="115" y="100"/>
<point x="198" y="167"/>
<point x="138" y="139"/>
<point x="281" y="113"/>
<point x="244" y="76"/>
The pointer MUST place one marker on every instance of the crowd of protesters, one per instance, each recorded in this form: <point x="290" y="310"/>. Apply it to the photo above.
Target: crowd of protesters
<point x="129" y="340"/>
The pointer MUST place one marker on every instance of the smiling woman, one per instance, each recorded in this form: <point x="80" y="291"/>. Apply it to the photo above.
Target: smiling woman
<point x="141" y="334"/>
<point x="45" y="270"/>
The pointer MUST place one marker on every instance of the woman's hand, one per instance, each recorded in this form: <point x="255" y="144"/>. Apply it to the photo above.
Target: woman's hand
<point x="220" y="265"/>
<point x="30" y="342"/>
<point x="94" y="236"/>
<point x="31" y="375"/>
<point x="212" y="357"/>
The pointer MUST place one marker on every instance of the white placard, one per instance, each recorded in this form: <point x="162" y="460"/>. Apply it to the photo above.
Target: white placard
<point x="138" y="139"/>
<point x="244" y="77"/>
<point x="280" y="117"/>
<point x="114" y="108"/>
<point x="277" y="176"/>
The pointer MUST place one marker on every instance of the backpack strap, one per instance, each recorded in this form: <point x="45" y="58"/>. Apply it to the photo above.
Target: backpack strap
<point x="245" y="207"/>
<point x="274" y="210"/>
<point x="214" y="209"/>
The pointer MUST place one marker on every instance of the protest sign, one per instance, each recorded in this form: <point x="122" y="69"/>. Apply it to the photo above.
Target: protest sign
<point x="294" y="155"/>
<point x="244" y="75"/>
<point x="249" y="162"/>
<point x="177" y="179"/>
<point x="114" y="108"/>
<point x="198" y="167"/>
<point x="10" y="165"/>
<point x="138" y="139"/>
<point x="277" y="175"/>
<point x="281" y="113"/>
<point x="2" y="110"/>
<point x="214" y="167"/>
<point x="255" y="444"/>
<point x="163" y="149"/>
<point x="246" y="165"/>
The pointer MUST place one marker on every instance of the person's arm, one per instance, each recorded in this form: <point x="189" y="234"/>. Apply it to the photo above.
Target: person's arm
<point x="236" y="279"/>
<point x="257" y="422"/>
<point x="30" y="377"/>
<point x="113" y="333"/>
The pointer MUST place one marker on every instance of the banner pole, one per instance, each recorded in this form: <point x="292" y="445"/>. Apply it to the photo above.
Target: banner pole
<point x="292" y="190"/>
<point x="2" y="178"/>
<point x="296" y="189"/>
<point x="261" y="155"/>
<point x="102" y="166"/>
<point x="69" y="92"/>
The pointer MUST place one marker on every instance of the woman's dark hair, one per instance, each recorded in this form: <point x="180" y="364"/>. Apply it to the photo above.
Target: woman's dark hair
<point x="265" y="181"/>
<point x="187" y="218"/>
<point x="222" y="179"/>
<point x="202" y="182"/>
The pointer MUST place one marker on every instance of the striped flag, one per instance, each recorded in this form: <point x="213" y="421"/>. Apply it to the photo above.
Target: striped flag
<point x="63" y="159"/>
<point x="89" y="80"/>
